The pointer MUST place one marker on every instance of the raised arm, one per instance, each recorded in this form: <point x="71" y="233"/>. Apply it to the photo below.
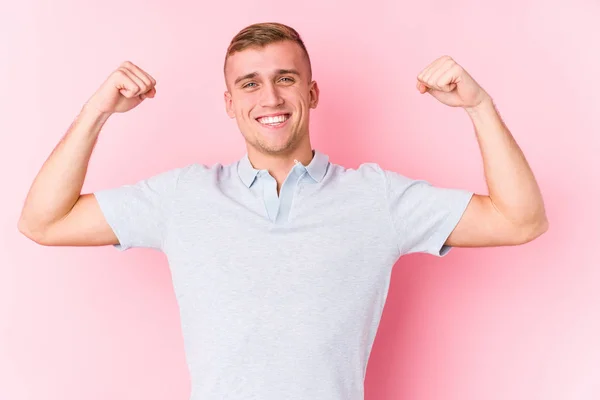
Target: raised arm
<point x="55" y="212"/>
<point x="513" y="213"/>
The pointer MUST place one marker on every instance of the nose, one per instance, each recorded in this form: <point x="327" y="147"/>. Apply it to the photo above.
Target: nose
<point x="270" y="96"/>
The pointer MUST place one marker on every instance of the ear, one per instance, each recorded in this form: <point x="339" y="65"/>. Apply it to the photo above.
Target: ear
<point x="228" y="104"/>
<point x="313" y="95"/>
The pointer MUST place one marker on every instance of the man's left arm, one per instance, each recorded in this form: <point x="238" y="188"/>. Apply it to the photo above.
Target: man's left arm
<point x="513" y="213"/>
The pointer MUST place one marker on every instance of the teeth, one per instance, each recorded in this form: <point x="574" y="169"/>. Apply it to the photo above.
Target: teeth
<point x="273" y="120"/>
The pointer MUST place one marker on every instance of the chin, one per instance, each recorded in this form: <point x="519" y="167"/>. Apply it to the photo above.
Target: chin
<point x="273" y="147"/>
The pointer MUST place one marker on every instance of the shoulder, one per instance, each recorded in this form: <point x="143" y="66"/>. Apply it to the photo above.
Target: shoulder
<point x="367" y="172"/>
<point x="201" y="172"/>
<point x="373" y="174"/>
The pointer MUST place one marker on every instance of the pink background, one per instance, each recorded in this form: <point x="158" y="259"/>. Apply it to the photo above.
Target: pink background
<point x="499" y="323"/>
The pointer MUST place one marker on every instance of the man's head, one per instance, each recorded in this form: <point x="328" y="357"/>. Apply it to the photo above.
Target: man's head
<point x="269" y="87"/>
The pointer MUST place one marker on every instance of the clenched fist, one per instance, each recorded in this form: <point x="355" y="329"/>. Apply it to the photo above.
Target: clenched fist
<point x="123" y="90"/>
<point x="451" y="84"/>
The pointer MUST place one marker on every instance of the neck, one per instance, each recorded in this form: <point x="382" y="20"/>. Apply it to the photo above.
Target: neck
<point x="279" y="165"/>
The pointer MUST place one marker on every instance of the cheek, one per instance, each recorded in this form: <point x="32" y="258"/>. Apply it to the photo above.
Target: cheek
<point x="303" y="99"/>
<point x="244" y="107"/>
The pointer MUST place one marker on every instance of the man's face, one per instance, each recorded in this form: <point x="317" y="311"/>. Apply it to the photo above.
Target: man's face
<point x="270" y="94"/>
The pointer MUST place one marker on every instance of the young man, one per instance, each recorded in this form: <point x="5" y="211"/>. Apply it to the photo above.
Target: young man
<point x="281" y="261"/>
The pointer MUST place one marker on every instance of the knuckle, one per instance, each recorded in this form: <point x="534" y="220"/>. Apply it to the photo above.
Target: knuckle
<point x="133" y="92"/>
<point x="120" y="74"/>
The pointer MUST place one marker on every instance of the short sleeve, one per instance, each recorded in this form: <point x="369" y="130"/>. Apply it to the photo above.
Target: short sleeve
<point x="138" y="213"/>
<point x="423" y="215"/>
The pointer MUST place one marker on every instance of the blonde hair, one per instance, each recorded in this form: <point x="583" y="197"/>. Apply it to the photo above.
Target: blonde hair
<point x="262" y="34"/>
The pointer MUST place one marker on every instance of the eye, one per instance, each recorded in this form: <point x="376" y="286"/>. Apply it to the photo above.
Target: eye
<point x="247" y="85"/>
<point x="287" y="79"/>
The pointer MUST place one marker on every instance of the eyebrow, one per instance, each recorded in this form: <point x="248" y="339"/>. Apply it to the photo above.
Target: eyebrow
<point x="278" y="72"/>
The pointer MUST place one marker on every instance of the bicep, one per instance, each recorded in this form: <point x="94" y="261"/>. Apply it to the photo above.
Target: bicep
<point x="483" y="225"/>
<point x="84" y="225"/>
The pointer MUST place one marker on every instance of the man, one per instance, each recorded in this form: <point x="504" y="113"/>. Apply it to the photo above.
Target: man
<point x="281" y="261"/>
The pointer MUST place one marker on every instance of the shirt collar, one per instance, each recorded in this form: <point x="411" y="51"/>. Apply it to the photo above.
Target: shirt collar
<point x="316" y="168"/>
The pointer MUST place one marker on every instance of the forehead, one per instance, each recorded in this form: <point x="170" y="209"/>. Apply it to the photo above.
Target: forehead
<point x="264" y="60"/>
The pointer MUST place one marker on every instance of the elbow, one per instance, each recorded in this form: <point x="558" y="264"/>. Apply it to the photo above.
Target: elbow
<point x="534" y="230"/>
<point x="34" y="234"/>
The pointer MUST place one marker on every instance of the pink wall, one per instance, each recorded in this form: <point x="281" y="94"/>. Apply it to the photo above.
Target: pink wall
<point x="501" y="323"/>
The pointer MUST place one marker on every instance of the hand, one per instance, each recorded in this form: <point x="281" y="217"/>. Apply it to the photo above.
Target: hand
<point x="123" y="90"/>
<point x="448" y="82"/>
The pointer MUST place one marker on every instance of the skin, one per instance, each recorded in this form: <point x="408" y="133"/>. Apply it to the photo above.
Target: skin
<point x="281" y="84"/>
<point x="56" y="213"/>
<point x="513" y="213"/>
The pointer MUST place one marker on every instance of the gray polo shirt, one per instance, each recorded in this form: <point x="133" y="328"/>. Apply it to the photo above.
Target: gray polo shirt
<point x="280" y="297"/>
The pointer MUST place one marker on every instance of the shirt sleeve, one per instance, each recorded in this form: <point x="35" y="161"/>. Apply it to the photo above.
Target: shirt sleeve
<point x="138" y="213"/>
<point x="423" y="215"/>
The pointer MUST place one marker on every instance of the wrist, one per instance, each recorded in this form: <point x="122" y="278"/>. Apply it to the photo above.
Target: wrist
<point x="486" y="104"/>
<point x="91" y="119"/>
<point x="90" y="112"/>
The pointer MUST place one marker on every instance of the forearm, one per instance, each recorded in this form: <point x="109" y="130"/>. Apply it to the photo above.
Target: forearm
<point x="57" y="186"/>
<point x="511" y="183"/>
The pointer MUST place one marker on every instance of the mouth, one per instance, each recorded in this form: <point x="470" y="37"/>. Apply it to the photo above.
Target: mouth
<point x="273" y="121"/>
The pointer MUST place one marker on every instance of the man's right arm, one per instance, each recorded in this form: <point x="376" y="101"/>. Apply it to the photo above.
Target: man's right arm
<point x="55" y="212"/>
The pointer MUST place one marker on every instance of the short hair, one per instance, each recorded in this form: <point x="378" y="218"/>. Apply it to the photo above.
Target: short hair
<point x="262" y="34"/>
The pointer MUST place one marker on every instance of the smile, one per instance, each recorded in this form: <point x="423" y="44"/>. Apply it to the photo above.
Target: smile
<point x="273" y="121"/>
